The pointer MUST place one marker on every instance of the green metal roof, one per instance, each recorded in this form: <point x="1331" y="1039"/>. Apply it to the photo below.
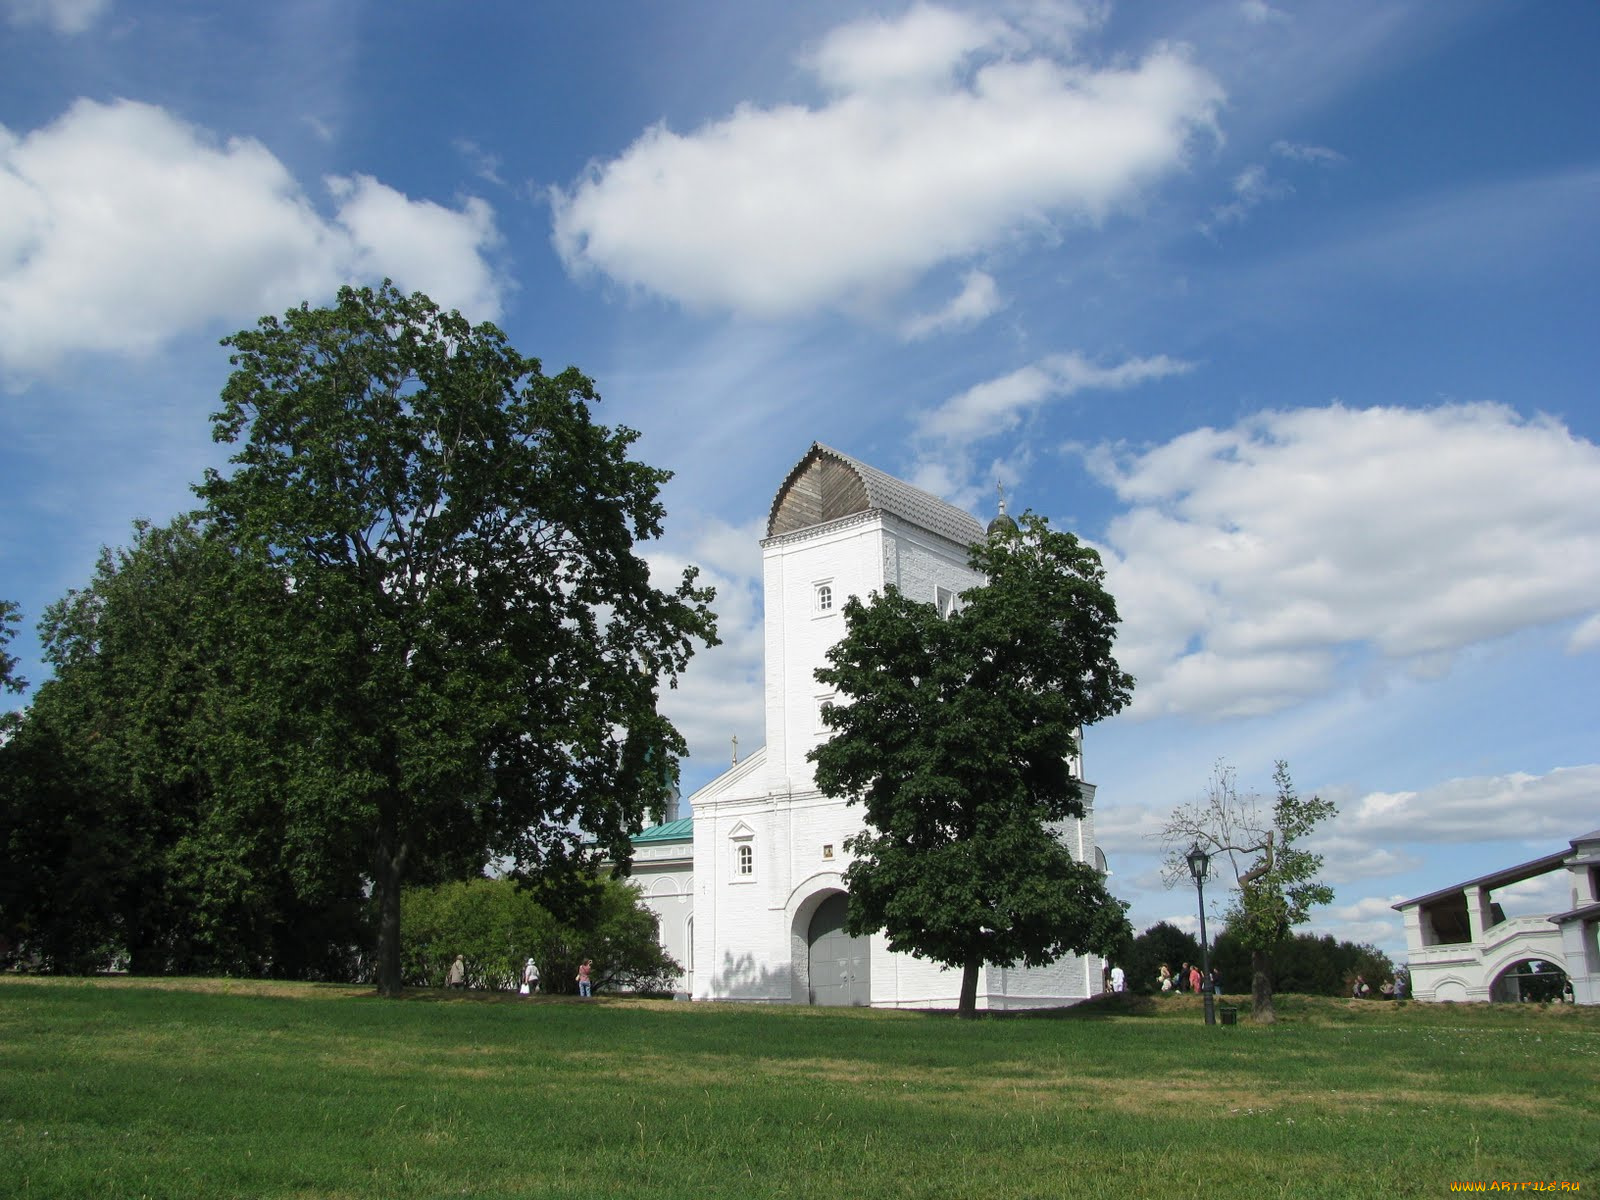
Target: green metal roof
<point x="673" y="831"/>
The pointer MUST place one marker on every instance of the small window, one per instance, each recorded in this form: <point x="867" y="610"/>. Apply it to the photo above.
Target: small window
<point x="827" y="850"/>
<point x="945" y="601"/>
<point x="824" y="707"/>
<point x="746" y="860"/>
<point x="824" y="597"/>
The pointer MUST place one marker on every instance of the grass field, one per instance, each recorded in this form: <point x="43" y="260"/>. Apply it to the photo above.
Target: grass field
<point x="197" y="1088"/>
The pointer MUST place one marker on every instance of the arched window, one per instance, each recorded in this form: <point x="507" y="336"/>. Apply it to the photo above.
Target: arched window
<point x="824" y="597"/>
<point x="824" y="706"/>
<point x="746" y="859"/>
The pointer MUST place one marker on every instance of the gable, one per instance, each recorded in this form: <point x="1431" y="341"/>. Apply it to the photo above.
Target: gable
<point x="827" y="485"/>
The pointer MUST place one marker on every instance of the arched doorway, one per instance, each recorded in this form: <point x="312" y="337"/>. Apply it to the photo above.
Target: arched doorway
<point x="1531" y="979"/>
<point x="836" y="962"/>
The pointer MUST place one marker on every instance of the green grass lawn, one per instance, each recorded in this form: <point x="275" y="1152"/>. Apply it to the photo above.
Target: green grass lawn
<point x="196" y="1088"/>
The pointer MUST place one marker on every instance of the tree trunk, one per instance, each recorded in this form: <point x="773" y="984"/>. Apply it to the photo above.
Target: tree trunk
<point x="1261" y="988"/>
<point x="968" y="1007"/>
<point x="390" y="870"/>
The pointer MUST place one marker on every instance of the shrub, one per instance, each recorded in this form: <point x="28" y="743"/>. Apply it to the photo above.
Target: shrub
<point x="496" y="926"/>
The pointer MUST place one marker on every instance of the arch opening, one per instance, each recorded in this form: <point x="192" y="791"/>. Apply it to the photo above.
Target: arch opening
<point x="838" y="966"/>
<point x="1537" y="980"/>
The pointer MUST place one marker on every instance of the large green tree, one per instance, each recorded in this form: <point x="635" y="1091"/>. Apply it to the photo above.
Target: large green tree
<point x="1275" y="876"/>
<point x="143" y="812"/>
<point x="957" y="738"/>
<point x="465" y="640"/>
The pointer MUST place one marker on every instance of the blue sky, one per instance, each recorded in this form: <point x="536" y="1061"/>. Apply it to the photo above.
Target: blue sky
<point x="1290" y="310"/>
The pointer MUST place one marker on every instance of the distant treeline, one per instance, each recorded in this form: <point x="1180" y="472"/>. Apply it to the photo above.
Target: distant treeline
<point x="1303" y="962"/>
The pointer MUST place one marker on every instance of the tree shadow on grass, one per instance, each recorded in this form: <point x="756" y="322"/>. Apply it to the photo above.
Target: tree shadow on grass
<point x="1099" y="1008"/>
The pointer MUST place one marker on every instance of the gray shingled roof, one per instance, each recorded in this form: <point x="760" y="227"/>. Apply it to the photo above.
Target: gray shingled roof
<point x="877" y="490"/>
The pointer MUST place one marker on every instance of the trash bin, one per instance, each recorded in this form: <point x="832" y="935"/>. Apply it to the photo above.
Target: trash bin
<point x="1230" y="1014"/>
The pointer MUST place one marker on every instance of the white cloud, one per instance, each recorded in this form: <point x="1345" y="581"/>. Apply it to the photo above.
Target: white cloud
<point x="1369" y="908"/>
<point x="998" y="405"/>
<point x="1252" y="561"/>
<point x="1487" y="808"/>
<point x="63" y="16"/>
<point x="1259" y="12"/>
<point x="485" y="166"/>
<point x="947" y="434"/>
<point x="421" y="244"/>
<point x="1586" y="636"/>
<point x="1252" y="187"/>
<point x="979" y="298"/>
<point x="127" y="226"/>
<point x="1539" y="896"/>
<point x="924" y="48"/>
<point x="1319" y="156"/>
<point x="946" y="134"/>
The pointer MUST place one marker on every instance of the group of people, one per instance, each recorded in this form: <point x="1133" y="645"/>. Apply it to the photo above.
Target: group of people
<point x="457" y="976"/>
<point x="1392" y="989"/>
<point x="1189" y="978"/>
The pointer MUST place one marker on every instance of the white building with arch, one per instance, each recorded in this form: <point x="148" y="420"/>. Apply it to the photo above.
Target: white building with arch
<point x="762" y="858"/>
<point x="1461" y="946"/>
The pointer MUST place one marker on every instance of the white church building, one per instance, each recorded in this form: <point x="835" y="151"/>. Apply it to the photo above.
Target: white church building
<point x="750" y="889"/>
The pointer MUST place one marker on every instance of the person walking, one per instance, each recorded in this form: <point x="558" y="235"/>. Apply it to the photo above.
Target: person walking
<point x="1195" y="982"/>
<point x="457" y="978"/>
<point x="584" y="986"/>
<point x="530" y="978"/>
<point x="1164" y="978"/>
<point x="1119" y="980"/>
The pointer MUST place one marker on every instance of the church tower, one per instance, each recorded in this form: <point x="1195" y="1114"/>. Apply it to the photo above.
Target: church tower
<point x="840" y="528"/>
<point x="768" y="888"/>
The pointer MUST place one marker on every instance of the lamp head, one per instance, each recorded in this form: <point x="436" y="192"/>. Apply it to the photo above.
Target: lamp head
<point x="1199" y="862"/>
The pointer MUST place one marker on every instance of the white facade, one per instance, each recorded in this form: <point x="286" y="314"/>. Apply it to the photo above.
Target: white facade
<point x="1460" y="947"/>
<point x="663" y="871"/>
<point x="768" y="848"/>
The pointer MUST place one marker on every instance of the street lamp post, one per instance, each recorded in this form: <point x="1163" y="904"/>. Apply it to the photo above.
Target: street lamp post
<point x="1199" y="865"/>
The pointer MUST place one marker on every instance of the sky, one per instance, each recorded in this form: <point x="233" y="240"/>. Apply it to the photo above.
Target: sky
<point x="1291" y="311"/>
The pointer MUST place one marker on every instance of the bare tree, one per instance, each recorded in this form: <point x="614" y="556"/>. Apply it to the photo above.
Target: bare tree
<point x="1275" y="879"/>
